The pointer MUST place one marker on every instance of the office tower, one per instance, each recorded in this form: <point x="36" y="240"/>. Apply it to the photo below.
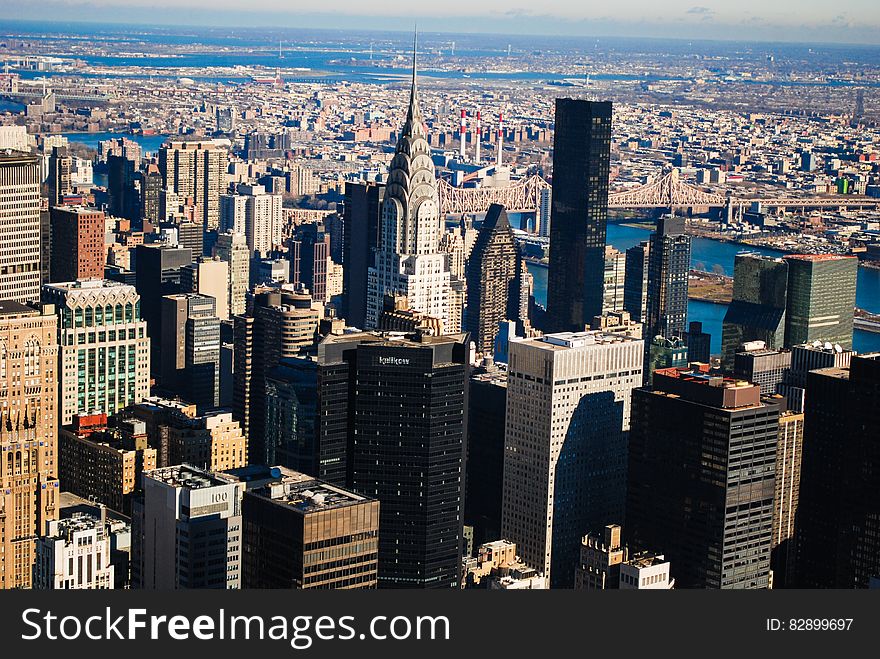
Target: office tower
<point x="282" y="323"/>
<point x="102" y="463"/>
<point x="190" y="235"/>
<point x="699" y="343"/>
<point x="757" y="311"/>
<point x="104" y="347"/>
<point x="291" y="414"/>
<point x="545" y="206"/>
<point x="484" y="463"/>
<point x="409" y="261"/>
<point x="664" y="353"/>
<point x="600" y="560"/>
<point x="196" y="170"/>
<point x="668" y="265"/>
<point x="28" y="434"/>
<point x="14" y="138"/>
<point x="150" y="181"/>
<point x="491" y="280"/>
<point x="754" y="363"/>
<point x="74" y="554"/>
<point x="289" y="523"/>
<point x="821" y="298"/>
<point x="45" y="242"/>
<point x="392" y="420"/>
<point x="20" y="228"/>
<point x="789" y="452"/>
<point x="190" y="365"/>
<point x="255" y="213"/>
<point x="208" y="276"/>
<point x="310" y="259"/>
<point x="232" y="248"/>
<point x="270" y="271"/>
<point x="361" y="224"/>
<point x="212" y="441"/>
<point x="565" y="443"/>
<point x="711" y="517"/>
<point x="121" y="191"/>
<point x="157" y="275"/>
<point x="186" y="533"/>
<point x="635" y="284"/>
<point x="838" y="543"/>
<point x="77" y="243"/>
<point x="613" y="280"/>
<point x="581" y="167"/>
<point x="58" y="182"/>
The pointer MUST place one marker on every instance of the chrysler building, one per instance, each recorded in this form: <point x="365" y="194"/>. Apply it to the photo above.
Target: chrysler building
<point x="409" y="260"/>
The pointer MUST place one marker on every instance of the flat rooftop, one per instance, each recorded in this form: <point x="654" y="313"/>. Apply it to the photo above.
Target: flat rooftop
<point x="563" y="340"/>
<point x="307" y="494"/>
<point x="13" y="308"/>
<point x="185" y="476"/>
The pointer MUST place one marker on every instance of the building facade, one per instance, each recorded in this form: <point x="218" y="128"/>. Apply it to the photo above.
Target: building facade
<point x="19" y="226"/>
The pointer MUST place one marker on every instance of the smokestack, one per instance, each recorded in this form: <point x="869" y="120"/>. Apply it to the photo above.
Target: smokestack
<point x="479" y="135"/>
<point x="462" y="133"/>
<point x="500" y="139"/>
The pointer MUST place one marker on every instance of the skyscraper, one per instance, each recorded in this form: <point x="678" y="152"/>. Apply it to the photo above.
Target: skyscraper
<point x="19" y="226"/>
<point x="635" y="284"/>
<point x="291" y="415"/>
<point x="186" y="533"/>
<point x="191" y="357"/>
<point x="838" y="532"/>
<point x="104" y="347"/>
<point x="310" y="259"/>
<point x="363" y="206"/>
<point x="58" y="182"/>
<point x="491" y="280"/>
<point x="581" y="167"/>
<point x="712" y="517"/>
<point x="195" y="170"/>
<point x="789" y="456"/>
<point x="392" y="414"/>
<point x="668" y="265"/>
<point x="77" y="243"/>
<point x="613" y="283"/>
<point x="409" y="261"/>
<point x="757" y="311"/>
<point x="568" y="410"/>
<point x="281" y="324"/>
<point x="699" y="343"/>
<point x="257" y="214"/>
<point x="28" y="434"/>
<point x="232" y="248"/>
<point x="821" y="298"/>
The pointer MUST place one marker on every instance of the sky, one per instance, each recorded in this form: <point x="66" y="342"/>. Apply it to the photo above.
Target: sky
<point x="808" y="21"/>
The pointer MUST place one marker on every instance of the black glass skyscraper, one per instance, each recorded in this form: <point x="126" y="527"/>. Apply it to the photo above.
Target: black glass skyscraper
<point x="668" y="264"/>
<point x="363" y="202"/>
<point x="392" y="413"/>
<point x="581" y="167"/>
<point x="838" y="515"/>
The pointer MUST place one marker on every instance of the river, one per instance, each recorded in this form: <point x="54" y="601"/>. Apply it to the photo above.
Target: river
<point x="706" y="254"/>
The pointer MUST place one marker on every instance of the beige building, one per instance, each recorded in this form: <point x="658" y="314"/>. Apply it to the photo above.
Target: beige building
<point x="105" y="350"/>
<point x="233" y="249"/>
<point x="789" y="448"/>
<point x="196" y="170"/>
<point x="208" y="276"/>
<point x="19" y="226"/>
<point x="212" y="441"/>
<point x="568" y="407"/>
<point x="28" y="435"/>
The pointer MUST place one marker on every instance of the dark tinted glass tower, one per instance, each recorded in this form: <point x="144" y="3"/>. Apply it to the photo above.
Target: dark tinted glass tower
<point x="581" y="167"/>
<point x="399" y="409"/>
<point x="757" y="311"/>
<point x="702" y="458"/>
<point x="668" y="264"/>
<point x="838" y="516"/>
<point x="821" y="298"/>
<point x="491" y="286"/>
<point x="291" y="414"/>
<point x="635" y="281"/>
<point x="363" y="202"/>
